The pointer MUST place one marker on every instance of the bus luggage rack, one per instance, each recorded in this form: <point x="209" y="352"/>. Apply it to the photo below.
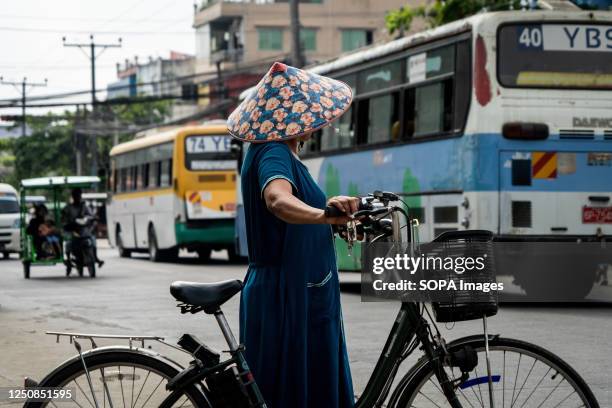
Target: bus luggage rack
<point x="462" y="305"/>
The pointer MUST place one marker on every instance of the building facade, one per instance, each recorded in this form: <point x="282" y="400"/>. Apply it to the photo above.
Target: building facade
<point x="158" y="77"/>
<point x="245" y="32"/>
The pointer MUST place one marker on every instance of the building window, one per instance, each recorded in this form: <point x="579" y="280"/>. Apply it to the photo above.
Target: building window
<point x="355" y="38"/>
<point x="308" y="39"/>
<point x="270" y="38"/>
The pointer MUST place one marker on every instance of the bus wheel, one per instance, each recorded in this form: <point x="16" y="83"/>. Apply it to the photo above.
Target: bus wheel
<point x="123" y="253"/>
<point x="154" y="252"/>
<point x="26" y="270"/>
<point x="204" y="254"/>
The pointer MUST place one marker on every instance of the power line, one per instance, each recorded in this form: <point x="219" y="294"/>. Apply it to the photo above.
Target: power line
<point x="92" y="59"/>
<point x="24" y="84"/>
<point x="279" y="57"/>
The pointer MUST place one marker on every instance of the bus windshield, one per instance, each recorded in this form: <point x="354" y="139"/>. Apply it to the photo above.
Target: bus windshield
<point x="8" y="204"/>
<point x="555" y="55"/>
<point x="209" y="152"/>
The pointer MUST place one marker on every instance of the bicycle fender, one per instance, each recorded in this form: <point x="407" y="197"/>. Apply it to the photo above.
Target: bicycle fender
<point x="109" y="349"/>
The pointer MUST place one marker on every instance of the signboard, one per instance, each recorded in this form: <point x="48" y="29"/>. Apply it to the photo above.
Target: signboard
<point x="565" y="37"/>
<point x="417" y="68"/>
<point x="208" y="144"/>
<point x="596" y="215"/>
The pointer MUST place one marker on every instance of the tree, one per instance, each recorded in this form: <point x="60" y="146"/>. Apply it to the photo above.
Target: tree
<point x="443" y="12"/>
<point x="50" y="149"/>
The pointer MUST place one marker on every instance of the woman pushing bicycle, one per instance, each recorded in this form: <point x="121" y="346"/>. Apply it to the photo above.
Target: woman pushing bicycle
<point x="290" y="313"/>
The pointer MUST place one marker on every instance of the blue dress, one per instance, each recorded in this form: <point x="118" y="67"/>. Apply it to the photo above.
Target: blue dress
<point x="290" y="317"/>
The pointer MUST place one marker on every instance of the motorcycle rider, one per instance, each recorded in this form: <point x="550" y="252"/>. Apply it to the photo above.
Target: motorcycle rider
<point x="71" y="214"/>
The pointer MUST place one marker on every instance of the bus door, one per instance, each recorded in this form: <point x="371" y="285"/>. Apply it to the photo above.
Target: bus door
<point x="554" y="192"/>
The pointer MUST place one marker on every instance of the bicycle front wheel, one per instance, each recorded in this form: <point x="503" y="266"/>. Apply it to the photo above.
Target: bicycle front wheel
<point x="118" y="378"/>
<point x="523" y="375"/>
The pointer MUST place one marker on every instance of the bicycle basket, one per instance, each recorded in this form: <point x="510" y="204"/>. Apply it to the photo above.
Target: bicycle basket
<point x="466" y="304"/>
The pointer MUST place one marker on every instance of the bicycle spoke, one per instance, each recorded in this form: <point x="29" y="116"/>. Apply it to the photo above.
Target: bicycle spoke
<point x="566" y="398"/>
<point x="132" y="395"/>
<point x="121" y="384"/>
<point x="479" y="390"/>
<point x="107" y="392"/>
<point x="430" y="400"/>
<point x="515" y="381"/>
<point x="536" y="386"/>
<point x="144" y="404"/>
<point x="139" y="392"/>
<point x="83" y="392"/>
<point x="525" y="381"/>
<point x="465" y="397"/>
<point x="550" y="393"/>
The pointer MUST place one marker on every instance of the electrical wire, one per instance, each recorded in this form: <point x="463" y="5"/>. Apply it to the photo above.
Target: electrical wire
<point x="212" y="74"/>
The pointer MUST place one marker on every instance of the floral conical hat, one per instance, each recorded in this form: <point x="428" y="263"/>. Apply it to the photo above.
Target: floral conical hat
<point x="287" y="103"/>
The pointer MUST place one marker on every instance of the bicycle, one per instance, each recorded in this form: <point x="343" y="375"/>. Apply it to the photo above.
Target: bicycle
<point x="476" y="371"/>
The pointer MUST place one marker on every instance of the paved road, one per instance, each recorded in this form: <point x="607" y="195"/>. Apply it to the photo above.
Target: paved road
<point x="131" y="296"/>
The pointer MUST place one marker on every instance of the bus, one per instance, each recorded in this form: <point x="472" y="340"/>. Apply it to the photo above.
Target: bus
<point x="501" y="121"/>
<point x="9" y="220"/>
<point x="171" y="190"/>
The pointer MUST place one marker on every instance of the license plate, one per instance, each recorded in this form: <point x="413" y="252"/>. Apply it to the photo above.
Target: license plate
<point x="596" y="215"/>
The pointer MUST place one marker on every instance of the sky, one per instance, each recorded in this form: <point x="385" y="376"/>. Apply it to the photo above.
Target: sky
<point x="31" y="32"/>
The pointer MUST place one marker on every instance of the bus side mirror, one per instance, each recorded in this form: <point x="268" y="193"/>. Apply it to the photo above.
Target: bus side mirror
<point x="236" y="149"/>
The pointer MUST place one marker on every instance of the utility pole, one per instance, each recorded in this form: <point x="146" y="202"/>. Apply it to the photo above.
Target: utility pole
<point x="22" y="87"/>
<point x="297" y="59"/>
<point x="92" y="46"/>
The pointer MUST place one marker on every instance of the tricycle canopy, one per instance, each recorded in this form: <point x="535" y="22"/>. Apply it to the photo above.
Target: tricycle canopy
<point x="58" y="181"/>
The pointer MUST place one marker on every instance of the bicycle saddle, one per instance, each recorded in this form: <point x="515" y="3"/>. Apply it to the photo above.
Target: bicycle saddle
<point x="208" y="296"/>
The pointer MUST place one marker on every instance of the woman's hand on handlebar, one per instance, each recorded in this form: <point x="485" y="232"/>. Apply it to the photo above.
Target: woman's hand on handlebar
<point x="345" y="205"/>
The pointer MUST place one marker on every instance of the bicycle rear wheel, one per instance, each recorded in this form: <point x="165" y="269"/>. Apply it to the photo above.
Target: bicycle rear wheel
<point x="119" y="378"/>
<point x="523" y="376"/>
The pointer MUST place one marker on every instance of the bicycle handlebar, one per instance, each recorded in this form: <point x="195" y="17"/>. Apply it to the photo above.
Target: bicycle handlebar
<point x="333" y="211"/>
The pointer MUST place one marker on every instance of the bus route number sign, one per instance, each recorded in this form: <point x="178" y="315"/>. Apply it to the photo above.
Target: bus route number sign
<point x="565" y="37"/>
<point x="208" y="144"/>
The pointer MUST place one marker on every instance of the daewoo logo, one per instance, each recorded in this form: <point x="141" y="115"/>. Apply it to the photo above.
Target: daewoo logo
<point x="592" y="122"/>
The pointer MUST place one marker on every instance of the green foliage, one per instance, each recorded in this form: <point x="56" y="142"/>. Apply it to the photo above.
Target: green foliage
<point x="47" y="151"/>
<point x="400" y="20"/>
<point x="443" y="12"/>
<point x="50" y="149"/>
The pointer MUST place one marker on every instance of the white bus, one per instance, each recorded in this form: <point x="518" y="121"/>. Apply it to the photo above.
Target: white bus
<point x="501" y="121"/>
<point x="9" y="220"/>
<point x="172" y="190"/>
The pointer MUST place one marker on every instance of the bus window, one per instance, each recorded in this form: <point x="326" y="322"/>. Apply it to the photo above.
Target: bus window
<point x="383" y="114"/>
<point x="129" y="180"/>
<point x="433" y="108"/>
<point x="463" y="84"/>
<point x="340" y="134"/>
<point x="145" y="175"/>
<point x="165" y="173"/>
<point x="154" y="174"/>
<point x="123" y="179"/>
<point x="350" y="80"/>
<point x="134" y="185"/>
<point x="380" y="77"/>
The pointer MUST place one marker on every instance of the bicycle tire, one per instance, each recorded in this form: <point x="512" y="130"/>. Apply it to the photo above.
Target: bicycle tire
<point x="411" y="384"/>
<point x="64" y="375"/>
